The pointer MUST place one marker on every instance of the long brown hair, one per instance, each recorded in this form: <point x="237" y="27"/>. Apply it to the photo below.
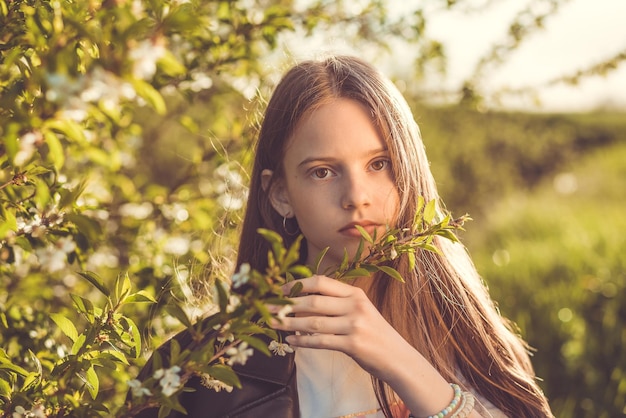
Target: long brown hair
<point x="443" y="309"/>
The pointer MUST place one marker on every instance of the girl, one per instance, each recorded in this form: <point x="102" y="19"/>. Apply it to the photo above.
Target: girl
<point x="339" y="147"/>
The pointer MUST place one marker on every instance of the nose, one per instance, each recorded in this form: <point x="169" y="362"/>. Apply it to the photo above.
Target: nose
<point x="356" y="192"/>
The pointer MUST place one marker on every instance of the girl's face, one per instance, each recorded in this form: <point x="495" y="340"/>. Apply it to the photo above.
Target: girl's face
<point x="337" y="175"/>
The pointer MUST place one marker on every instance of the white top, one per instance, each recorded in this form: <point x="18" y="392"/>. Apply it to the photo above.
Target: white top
<point x="331" y="385"/>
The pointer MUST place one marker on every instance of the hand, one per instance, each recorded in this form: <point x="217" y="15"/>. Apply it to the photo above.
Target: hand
<point x="337" y="316"/>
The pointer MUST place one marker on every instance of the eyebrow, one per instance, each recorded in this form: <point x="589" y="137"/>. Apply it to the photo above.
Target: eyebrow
<point x="369" y="154"/>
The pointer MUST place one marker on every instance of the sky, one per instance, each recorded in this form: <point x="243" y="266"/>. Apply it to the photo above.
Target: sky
<point x="581" y="33"/>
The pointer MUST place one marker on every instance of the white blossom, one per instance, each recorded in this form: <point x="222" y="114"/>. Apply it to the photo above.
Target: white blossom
<point x="177" y="245"/>
<point x="212" y="383"/>
<point x="280" y="349"/>
<point x="242" y="276"/>
<point x="137" y="8"/>
<point x="239" y="354"/>
<point x="75" y="109"/>
<point x="53" y="257"/>
<point x="36" y="412"/>
<point x="233" y="302"/>
<point x="66" y="244"/>
<point x="230" y="187"/>
<point x="26" y="147"/>
<point x="169" y="379"/>
<point x="19" y="412"/>
<point x="103" y="256"/>
<point x="145" y="57"/>
<point x="284" y="311"/>
<point x="136" y="210"/>
<point x="137" y="390"/>
<point x="224" y="333"/>
<point x="50" y="259"/>
<point x="199" y="81"/>
<point x="230" y="202"/>
<point x="175" y="211"/>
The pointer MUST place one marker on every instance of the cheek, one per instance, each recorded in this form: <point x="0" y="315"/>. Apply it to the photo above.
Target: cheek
<point x="391" y="204"/>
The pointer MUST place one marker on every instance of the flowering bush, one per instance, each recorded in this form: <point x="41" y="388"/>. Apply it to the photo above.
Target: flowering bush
<point x="124" y="141"/>
<point x="109" y="170"/>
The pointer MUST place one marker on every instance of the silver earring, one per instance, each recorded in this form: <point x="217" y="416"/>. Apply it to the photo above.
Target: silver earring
<point x="291" y="233"/>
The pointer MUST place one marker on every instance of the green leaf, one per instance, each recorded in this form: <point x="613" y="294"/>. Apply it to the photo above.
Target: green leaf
<point x="271" y="236"/>
<point x="6" y="364"/>
<point x="133" y="330"/>
<point x="86" y="225"/>
<point x="33" y="379"/>
<point x="391" y="272"/>
<point x="55" y="150"/>
<point x="430" y="211"/>
<point x="359" y="250"/>
<point x="150" y="95"/>
<point x="224" y="374"/>
<point x="84" y="306"/>
<point x="177" y="312"/>
<point x="78" y="344"/>
<point x="344" y="261"/>
<point x="364" y="234"/>
<point x="357" y="272"/>
<point x="296" y="289"/>
<point x="446" y="233"/>
<point x="418" y="211"/>
<point x="261" y="308"/>
<point x="66" y="326"/>
<point x="412" y="261"/>
<point x="5" y="388"/>
<point x="170" y="65"/>
<point x="70" y="129"/>
<point x="430" y="247"/>
<point x="222" y="295"/>
<point x="257" y="344"/>
<point x="115" y="355"/>
<point x="157" y="361"/>
<point x="174" y="351"/>
<point x="37" y="171"/>
<point x="8" y="223"/>
<point x="293" y="254"/>
<point x="93" y="384"/>
<point x="318" y="260"/>
<point x="95" y="280"/>
<point x="278" y="248"/>
<point x="42" y="193"/>
<point x="140" y="297"/>
<point x="164" y="411"/>
<point x="68" y="197"/>
<point x="301" y="271"/>
<point x="35" y="360"/>
<point x="122" y="287"/>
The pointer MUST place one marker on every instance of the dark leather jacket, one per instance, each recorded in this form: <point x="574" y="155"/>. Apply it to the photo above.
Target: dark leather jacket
<point x="269" y="390"/>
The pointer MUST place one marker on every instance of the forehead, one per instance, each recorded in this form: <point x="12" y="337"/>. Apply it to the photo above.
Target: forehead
<point x="333" y="126"/>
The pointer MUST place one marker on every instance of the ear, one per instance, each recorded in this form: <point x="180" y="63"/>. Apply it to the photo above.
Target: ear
<point x="277" y="193"/>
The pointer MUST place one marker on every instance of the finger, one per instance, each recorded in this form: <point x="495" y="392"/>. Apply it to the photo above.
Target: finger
<point x="321" y="305"/>
<point x="324" y="341"/>
<point x="313" y="325"/>
<point x="322" y="285"/>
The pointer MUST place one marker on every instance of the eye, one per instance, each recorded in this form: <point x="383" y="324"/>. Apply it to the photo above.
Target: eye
<point x="379" y="165"/>
<point x="321" y="173"/>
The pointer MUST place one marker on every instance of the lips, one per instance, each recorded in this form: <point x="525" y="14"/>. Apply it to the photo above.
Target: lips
<point x="351" y="231"/>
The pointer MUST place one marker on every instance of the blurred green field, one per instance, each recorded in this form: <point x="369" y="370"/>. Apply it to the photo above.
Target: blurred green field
<point x="547" y="196"/>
